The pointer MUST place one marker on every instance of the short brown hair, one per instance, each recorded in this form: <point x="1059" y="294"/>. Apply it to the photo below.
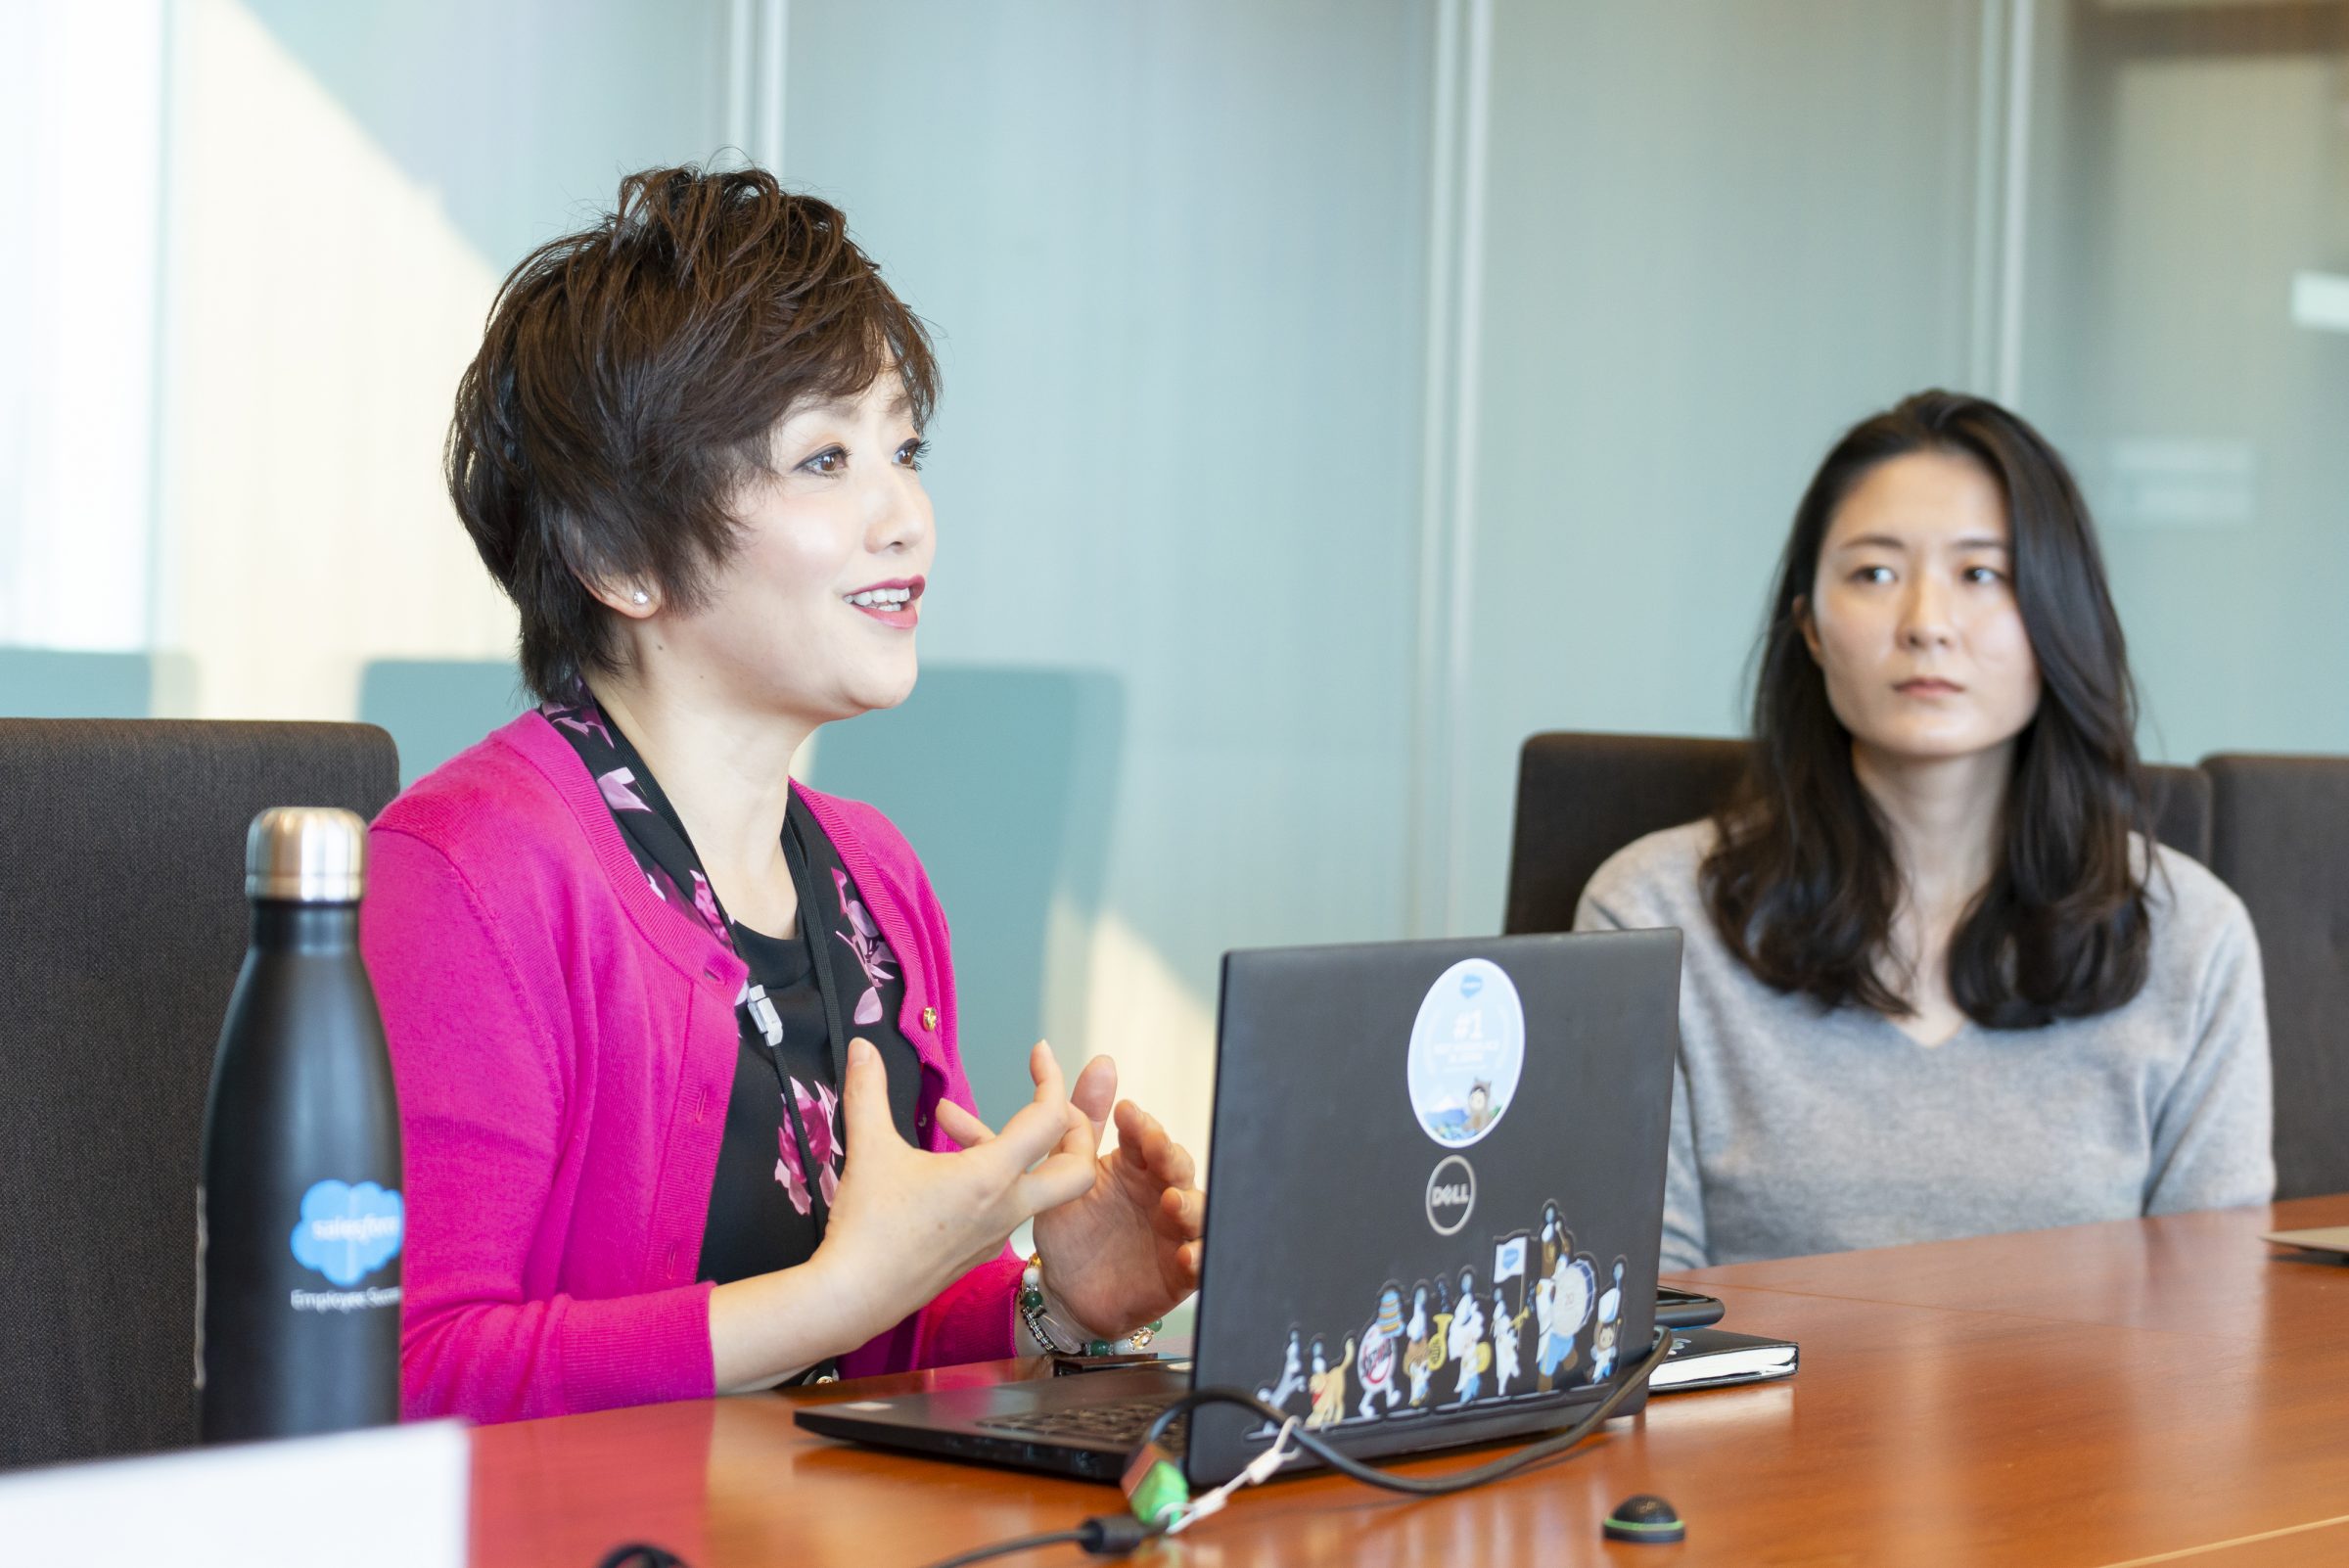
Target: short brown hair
<point x="628" y="384"/>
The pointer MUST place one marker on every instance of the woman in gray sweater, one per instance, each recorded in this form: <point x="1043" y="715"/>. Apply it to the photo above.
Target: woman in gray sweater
<point x="1939" y="980"/>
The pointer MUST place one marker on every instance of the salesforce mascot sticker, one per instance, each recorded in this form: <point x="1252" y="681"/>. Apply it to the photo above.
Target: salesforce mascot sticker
<point x="1467" y="1052"/>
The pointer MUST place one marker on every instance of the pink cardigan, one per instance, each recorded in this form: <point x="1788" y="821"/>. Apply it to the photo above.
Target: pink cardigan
<point x="563" y="1044"/>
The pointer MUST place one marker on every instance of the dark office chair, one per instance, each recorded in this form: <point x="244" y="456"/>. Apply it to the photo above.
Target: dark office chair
<point x="120" y="941"/>
<point x="2280" y="837"/>
<point x="1581" y="798"/>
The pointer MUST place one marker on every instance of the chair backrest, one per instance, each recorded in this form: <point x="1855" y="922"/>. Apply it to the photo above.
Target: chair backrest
<point x="120" y="941"/>
<point x="2279" y="838"/>
<point x="1581" y="797"/>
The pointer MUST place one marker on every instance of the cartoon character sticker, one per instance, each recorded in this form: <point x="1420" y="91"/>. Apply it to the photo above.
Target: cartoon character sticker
<point x="1420" y="1356"/>
<point x="1382" y="1349"/>
<point x="1561" y="1307"/>
<point x="1467" y="1053"/>
<point x="1505" y="1343"/>
<point x="1292" y="1375"/>
<point x="1328" y="1386"/>
<point x="1602" y="1341"/>
<point x="1465" y="1342"/>
<point x="1513" y="1333"/>
<point x="1435" y="1350"/>
<point x="1508" y="1318"/>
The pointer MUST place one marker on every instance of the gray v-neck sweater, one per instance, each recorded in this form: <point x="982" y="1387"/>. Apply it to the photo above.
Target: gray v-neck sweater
<point x="1796" y="1129"/>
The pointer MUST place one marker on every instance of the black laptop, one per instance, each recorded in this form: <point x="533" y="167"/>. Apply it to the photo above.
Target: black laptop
<point x="1435" y="1193"/>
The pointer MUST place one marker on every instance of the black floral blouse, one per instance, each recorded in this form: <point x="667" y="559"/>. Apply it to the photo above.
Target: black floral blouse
<point x="805" y="996"/>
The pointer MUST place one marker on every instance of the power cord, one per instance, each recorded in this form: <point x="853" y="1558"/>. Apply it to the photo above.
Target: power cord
<point x="1114" y="1535"/>
<point x="1106" y="1535"/>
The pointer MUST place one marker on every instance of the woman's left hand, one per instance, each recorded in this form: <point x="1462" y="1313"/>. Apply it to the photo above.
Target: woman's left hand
<point x="1123" y="1253"/>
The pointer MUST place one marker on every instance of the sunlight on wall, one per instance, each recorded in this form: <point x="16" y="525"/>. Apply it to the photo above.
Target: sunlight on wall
<point x="318" y="309"/>
<point x="80" y="109"/>
<point x="1161" y="1032"/>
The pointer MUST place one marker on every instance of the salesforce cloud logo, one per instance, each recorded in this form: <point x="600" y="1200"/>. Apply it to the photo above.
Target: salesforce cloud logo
<point x="349" y="1232"/>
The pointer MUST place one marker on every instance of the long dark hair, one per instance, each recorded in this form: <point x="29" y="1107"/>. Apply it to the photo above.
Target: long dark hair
<point x="1802" y="883"/>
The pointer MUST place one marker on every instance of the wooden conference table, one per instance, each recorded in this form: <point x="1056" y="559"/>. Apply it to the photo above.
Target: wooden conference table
<point x="2168" y="1390"/>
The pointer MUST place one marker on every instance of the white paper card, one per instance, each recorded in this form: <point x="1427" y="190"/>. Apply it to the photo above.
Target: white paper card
<point x="390" y="1497"/>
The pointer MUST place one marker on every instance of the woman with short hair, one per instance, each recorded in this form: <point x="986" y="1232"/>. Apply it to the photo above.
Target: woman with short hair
<point x="1938" y="979"/>
<point x="676" y="1037"/>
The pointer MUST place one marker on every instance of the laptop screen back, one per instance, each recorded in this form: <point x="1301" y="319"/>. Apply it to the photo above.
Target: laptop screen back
<point x="1436" y="1186"/>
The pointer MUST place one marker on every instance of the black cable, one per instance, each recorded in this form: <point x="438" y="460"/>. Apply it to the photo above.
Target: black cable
<point x="1346" y="1464"/>
<point x="1004" y="1549"/>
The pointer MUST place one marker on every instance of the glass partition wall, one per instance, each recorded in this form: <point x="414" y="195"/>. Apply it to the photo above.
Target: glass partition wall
<point x="1336" y="393"/>
<point x="2186" y="340"/>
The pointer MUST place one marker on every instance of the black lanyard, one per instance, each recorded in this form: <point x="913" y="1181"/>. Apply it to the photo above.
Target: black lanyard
<point x="799" y="864"/>
<point x="836" y="1040"/>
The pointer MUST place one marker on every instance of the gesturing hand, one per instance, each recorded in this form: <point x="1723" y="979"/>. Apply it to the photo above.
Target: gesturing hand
<point x="1122" y="1250"/>
<point x="906" y="1223"/>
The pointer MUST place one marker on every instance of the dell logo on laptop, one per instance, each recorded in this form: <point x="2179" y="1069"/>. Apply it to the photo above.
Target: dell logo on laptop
<point x="1450" y="1194"/>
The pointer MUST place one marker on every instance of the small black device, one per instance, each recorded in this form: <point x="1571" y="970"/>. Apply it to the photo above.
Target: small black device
<point x="1646" y="1519"/>
<point x="1433" y="1210"/>
<point x="1685" y="1309"/>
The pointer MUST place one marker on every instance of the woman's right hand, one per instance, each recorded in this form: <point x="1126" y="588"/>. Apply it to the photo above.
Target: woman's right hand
<point x="904" y="1224"/>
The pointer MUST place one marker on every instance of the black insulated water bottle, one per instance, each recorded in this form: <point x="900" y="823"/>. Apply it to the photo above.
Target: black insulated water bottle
<point x="300" y="1221"/>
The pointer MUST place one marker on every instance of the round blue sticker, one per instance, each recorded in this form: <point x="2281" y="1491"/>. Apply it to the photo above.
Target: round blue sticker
<point x="1467" y="1053"/>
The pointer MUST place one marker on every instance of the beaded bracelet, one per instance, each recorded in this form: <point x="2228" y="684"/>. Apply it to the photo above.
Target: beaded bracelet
<point x="1046" y="1326"/>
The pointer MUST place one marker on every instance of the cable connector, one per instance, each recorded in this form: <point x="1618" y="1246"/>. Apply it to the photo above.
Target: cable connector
<point x="1114" y="1535"/>
<point x="1258" y="1469"/>
<point x="1155" y="1489"/>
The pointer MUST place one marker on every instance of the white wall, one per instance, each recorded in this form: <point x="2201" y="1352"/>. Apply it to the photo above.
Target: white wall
<point x="1717" y="232"/>
<point x="345" y="186"/>
<point x="81" y="112"/>
<point x="1174" y="256"/>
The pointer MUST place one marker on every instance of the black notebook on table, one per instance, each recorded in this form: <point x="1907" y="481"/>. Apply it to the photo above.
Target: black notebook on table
<point x="1715" y="1357"/>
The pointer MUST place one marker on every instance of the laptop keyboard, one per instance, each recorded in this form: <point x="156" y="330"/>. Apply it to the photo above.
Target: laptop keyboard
<point x="1122" y="1423"/>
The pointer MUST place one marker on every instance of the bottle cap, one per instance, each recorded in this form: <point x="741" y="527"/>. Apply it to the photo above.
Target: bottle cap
<point x="307" y="854"/>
